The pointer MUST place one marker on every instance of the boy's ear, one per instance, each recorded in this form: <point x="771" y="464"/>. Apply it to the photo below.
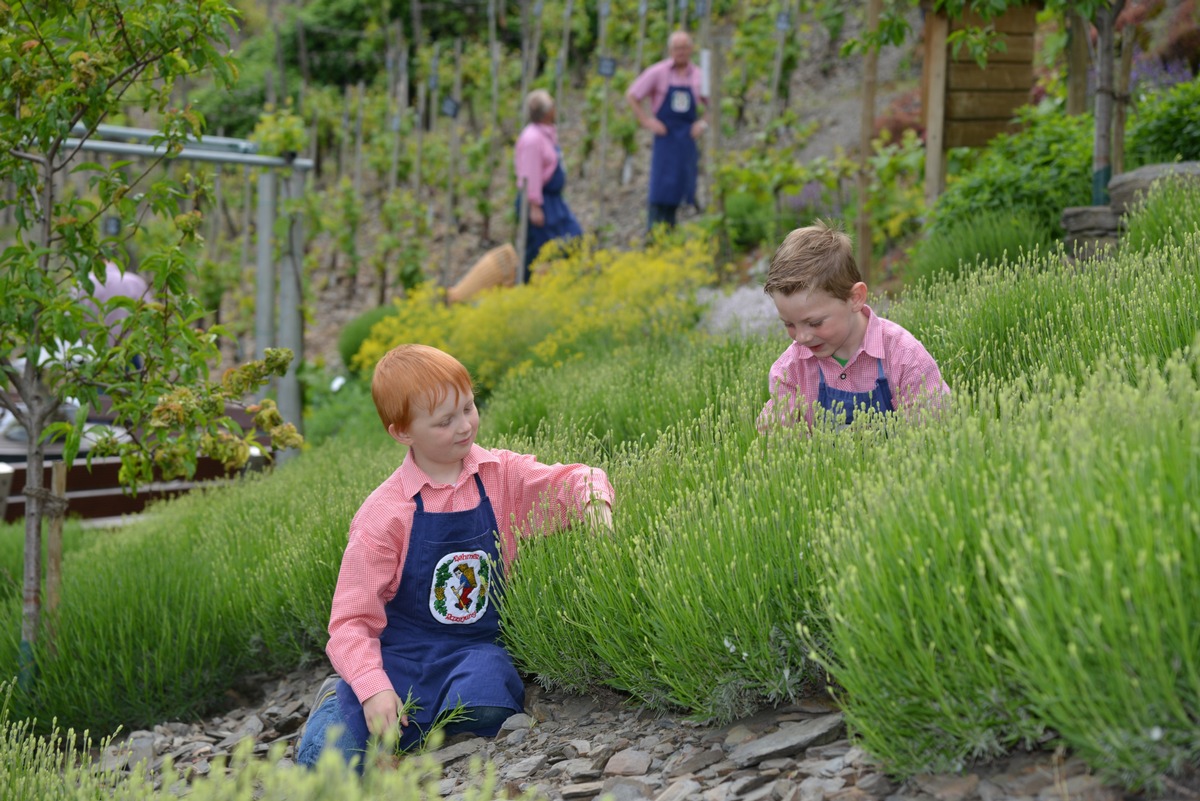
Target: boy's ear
<point x="400" y="436"/>
<point x="858" y="296"/>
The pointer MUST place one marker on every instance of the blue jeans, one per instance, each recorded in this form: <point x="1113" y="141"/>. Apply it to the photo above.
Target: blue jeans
<point x="485" y="721"/>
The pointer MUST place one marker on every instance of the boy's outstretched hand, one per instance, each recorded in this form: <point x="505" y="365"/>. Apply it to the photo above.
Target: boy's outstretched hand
<point x="598" y="514"/>
<point x="382" y="710"/>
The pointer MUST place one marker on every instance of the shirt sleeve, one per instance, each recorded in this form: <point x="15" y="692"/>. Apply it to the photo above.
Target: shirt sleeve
<point x="643" y="85"/>
<point x="920" y="385"/>
<point x="368" y="579"/>
<point x="780" y="409"/>
<point x="527" y="160"/>
<point x="549" y="496"/>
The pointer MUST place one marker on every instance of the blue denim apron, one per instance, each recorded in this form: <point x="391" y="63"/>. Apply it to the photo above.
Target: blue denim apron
<point x="674" y="160"/>
<point x="442" y="632"/>
<point x="835" y="400"/>
<point x="559" y="223"/>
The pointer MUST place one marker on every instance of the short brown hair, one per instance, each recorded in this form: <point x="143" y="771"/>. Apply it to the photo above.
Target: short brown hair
<point x="819" y="256"/>
<point x="408" y="374"/>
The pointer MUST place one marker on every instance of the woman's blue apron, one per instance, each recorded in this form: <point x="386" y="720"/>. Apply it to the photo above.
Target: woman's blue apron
<point x="560" y="223"/>
<point x="674" y="160"/>
<point x="441" y="638"/>
<point x="835" y="400"/>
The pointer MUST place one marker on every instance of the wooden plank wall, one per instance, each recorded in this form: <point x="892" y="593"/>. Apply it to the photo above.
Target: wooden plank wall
<point x="963" y="104"/>
<point x="980" y="102"/>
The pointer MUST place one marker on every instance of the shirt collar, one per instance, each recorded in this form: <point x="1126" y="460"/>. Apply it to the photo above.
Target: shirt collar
<point x="550" y="132"/>
<point x="873" y="339"/>
<point x="413" y="479"/>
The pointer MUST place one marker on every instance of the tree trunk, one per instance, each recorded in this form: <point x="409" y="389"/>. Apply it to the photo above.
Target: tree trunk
<point x="870" y="77"/>
<point x="1102" y="144"/>
<point x="1121" y="108"/>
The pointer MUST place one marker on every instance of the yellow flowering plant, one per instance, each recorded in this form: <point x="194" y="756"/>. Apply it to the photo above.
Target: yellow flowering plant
<point x="581" y="298"/>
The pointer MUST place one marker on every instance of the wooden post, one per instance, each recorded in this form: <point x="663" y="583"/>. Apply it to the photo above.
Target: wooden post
<point x="417" y="32"/>
<point x="641" y="36"/>
<point x="1103" y="112"/>
<point x="670" y="26"/>
<point x="782" y="26"/>
<point x="708" y="59"/>
<point x="281" y="74"/>
<point x="602" y="170"/>
<point x="1121" y="104"/>
<point x="561" y="64"/>
<point x="429" y="115"/>
<point x="358" y="139"/>
<point x="937" y="28"/>
<point x="54" y="534"/>
<point x="302" y="50"/>
<point x="452" y="178"/>
<point x="247" y="216"/>
<point x="714" y="133"/>
<point x="536" y="44"/>
<point x="683" y="15"/>
<point x="343" y="134"/>
<point x="522" y="236"/>
<point x="870" y="77"/>
<point x="1078" y="60"/>
<point x="494" y="51"/>
<point x="399" y="102"/>
<point x="526" y="44"/>
<point x="418" y="129"/>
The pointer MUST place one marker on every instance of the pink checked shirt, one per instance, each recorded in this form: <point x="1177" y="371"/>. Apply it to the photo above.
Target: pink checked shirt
<point x="657" y="79"/>
<point x="911" y="372"/>
<point x="535" y="157"/>
<point x="525" y="495"/>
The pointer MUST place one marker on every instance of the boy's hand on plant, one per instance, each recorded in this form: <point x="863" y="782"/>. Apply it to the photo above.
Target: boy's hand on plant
<point x="382" y="710"/>
<point x="598" y="515"/>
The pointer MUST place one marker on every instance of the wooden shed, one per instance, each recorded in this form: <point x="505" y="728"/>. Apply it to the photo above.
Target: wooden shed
<point x="963" y="104"/>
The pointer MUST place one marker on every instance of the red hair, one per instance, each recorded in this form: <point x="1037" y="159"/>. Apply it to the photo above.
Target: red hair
<point x="412" y="374"/>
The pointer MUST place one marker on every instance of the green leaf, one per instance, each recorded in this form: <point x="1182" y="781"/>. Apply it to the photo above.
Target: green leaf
<point x="75" y="434"/>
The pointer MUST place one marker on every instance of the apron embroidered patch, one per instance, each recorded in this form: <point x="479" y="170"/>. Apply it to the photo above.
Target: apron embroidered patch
<point x="461" y="584"/>
<point x="681" y="102"/>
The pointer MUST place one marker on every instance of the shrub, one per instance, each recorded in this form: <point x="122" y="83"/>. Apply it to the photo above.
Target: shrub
<point x="1166" y="127"/>
<point x="965" y="244"/>
<point x="355" y="332"/>
<point x="748" y="219"/>
<point x="1035" y="173"/>
<point x="588" y="301"/>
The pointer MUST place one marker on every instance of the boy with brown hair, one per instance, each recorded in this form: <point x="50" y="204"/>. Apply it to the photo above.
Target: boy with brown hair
<point x="843" y="356"/>
<point x="414" y="612"/>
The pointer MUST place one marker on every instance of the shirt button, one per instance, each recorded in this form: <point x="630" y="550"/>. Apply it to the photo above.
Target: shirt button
<point x="842" y="376"/>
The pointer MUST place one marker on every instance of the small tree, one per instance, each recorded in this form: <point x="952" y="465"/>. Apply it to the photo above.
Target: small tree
<point x="64" y="67"/>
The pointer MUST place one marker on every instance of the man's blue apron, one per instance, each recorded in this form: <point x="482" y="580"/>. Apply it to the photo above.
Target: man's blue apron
<point x="560" y="223"/>
<point x="674" y="160"/>
<point x="441" y="639"/>
<point x="879" y="399"/>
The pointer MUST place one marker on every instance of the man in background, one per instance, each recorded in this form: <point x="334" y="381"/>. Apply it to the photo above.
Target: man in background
<point x="672" y="88"/>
